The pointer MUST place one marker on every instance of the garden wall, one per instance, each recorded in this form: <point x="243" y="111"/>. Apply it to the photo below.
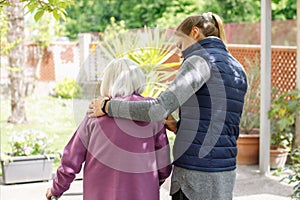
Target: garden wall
<point x="283" y="33"/>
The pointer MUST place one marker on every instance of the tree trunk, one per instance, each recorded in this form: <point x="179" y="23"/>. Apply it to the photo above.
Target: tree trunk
<point x="16" y="59"/>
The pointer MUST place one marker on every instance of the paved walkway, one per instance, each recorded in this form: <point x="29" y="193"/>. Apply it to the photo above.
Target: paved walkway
<point x="250" y="185"/>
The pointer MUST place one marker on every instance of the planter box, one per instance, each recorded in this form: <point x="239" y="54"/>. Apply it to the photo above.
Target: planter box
<point x="22" y="169"/>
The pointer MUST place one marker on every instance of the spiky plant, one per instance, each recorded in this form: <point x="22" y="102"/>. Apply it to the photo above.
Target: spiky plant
<point x="151" y="49"/>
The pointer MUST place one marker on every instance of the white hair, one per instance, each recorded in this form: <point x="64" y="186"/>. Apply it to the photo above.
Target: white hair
<point x="122" y="77"/>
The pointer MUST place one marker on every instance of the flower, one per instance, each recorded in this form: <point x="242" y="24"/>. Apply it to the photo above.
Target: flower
<point x="29" y="142"/>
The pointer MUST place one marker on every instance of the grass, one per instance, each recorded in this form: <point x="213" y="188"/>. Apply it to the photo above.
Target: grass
<point x="54" y="116"/>
<point x="51" y="115"/>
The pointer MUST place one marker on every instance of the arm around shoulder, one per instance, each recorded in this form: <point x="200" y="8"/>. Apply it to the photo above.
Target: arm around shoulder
<point x="191" y="76"/>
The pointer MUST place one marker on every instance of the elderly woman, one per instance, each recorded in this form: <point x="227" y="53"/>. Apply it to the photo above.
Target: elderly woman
<point x="119" y="162"/>
<point x="209" y="91"/>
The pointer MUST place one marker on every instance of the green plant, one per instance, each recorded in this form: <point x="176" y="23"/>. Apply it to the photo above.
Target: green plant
<point x="114" y="28"/>
<point x="294" y="178"/>
<point x="282" y="114"/>
<point x="250" y="116"/>
<point x="29" y="142"/>
<point x="68" y="88"/>
<point x="150" y="48"/>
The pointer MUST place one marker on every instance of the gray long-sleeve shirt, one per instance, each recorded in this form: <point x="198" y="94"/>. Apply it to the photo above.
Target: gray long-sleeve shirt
<point x="193" y="73"/>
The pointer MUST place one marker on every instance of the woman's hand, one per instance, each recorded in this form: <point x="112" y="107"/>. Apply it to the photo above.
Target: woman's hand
<point x="95" y="107"/>
<point x="171" y="123"/>
<point x="48" y="194"/>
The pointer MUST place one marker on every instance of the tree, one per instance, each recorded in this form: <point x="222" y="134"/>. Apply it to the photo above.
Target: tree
<point x="16" y="59"/>
<point x="90" y="16"/>
<point x="249" y="11"/>
<point x="94" y="16"/>
<point x="137" y="13"/>
<point x="284" y="9"/>
<point x="177" y="11"/>
<point x="15" y="35"/>
<point x="234" y="10"/>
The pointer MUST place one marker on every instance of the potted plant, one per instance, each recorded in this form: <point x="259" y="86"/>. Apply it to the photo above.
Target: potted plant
<point x="248" y="141"/>
<point x="29" y="159"/>
<point x="283" y="112"/>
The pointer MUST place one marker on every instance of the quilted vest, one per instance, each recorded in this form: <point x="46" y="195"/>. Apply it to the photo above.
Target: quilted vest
<point x="209" y="121"/>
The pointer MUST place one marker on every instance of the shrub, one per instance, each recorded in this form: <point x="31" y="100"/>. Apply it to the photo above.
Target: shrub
<point x="68" y="88"/>
<point x="294" y="178"/>
<point x="283" y="112"/>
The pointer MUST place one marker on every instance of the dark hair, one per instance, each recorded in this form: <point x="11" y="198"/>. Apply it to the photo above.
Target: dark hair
<point x="210" y="25"/>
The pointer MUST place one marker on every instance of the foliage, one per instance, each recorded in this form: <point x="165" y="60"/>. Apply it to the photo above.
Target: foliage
<point x="295" y="177"/>
<point x="89" y="16"/>
<point x="68" y="88"/>
<point x="283" y="112"/>
<point x="235" y="10"/>
<point x="150" y="48"/>
<point x="15" y="15"/>
<point x="140" y="13"/>
<point x="177" y="11"/>
<point x="249" y="11"/>
<point x="284" y="9"/>
<point x="39" y="7"/>
<point x="29" y="142"/>
<point x="94" y="16"/>
<point x="5" y="45"/>
<point x="43" y="31"/>
<point x="250" y="115"/>
<point x="114" y="29"/>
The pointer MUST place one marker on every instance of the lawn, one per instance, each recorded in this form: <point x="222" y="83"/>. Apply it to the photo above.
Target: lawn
<point x="51" y="115"/>
<point x="54" y="116"/>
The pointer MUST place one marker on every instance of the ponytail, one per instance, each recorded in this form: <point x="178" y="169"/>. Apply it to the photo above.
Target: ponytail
<point x="209" y="23"/>
<point x="219" y="25"/>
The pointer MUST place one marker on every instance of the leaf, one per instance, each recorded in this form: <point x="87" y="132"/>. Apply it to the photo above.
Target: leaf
<point x="31" y="6"/>
<point x="56" y="14"/>
<point x="38" y="15"/>
<point x="12" y="69"/>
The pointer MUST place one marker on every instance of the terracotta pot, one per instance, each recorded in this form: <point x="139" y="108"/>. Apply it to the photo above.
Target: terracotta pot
<point x="278" y="158"/>
<point x="248" y="149"/>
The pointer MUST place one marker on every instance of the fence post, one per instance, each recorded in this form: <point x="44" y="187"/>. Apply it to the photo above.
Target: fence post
<point x="265" y="83"/>
<point x="297" y="134"/>
<point x="84" y="43"/>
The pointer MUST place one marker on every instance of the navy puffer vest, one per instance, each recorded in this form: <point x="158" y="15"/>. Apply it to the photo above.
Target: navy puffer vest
<point x="209" y="120"/>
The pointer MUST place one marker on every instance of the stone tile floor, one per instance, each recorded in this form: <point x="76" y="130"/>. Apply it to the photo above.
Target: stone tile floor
<point x="250" y="185"/>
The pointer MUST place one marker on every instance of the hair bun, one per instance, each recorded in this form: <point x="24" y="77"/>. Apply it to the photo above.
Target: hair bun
<point x="207" y="16"/>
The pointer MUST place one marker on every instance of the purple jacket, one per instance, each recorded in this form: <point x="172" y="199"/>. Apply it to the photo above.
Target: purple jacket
<point x="123" y="159"/>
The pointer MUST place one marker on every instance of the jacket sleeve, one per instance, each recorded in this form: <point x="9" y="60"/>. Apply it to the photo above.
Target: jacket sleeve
<point x="163" y="159"/>
<point x="74" y="155"/>
<point x="193" y="73"/>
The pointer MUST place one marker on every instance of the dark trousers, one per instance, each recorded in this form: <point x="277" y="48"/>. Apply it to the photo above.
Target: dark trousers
<point x="179" y="196"/>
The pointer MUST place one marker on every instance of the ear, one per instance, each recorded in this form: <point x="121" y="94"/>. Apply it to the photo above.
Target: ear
<point x="195" y="33"/>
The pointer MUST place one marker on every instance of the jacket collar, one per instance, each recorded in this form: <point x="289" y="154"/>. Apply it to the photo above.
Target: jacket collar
<point x="209" y="42"/>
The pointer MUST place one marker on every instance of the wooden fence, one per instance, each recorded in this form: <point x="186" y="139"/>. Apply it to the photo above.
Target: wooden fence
<point x="283" y="63"/>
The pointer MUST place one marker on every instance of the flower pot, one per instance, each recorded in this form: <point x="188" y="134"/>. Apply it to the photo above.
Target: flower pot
<point x="248" y="149"/>
<point x="22" y="169"/>
<point x="278" y="158"/>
